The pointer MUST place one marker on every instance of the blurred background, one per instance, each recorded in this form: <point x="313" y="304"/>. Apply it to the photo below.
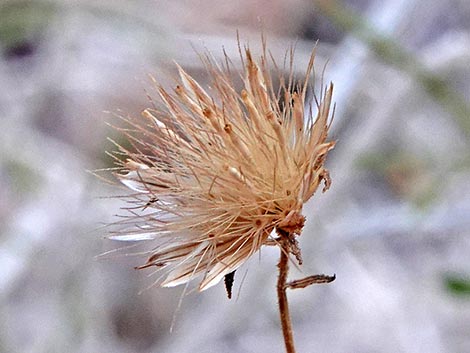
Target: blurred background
<point x="394" y="226"/>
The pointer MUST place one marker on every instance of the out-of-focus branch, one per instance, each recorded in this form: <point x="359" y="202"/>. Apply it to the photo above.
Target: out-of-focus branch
<point x="395" y="55"/>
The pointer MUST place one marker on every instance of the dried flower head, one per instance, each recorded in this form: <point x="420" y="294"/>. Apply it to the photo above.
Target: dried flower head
<point x="214" y="172"/>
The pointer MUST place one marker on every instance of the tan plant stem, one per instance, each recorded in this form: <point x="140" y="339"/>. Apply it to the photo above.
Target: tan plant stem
<point x="281" y="292"/>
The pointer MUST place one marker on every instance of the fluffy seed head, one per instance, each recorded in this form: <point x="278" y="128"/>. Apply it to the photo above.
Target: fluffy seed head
<point x="214" y="171"/>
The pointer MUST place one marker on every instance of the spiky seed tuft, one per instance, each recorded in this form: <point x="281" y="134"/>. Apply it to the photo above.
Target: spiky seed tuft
<point x="213" y="173"/>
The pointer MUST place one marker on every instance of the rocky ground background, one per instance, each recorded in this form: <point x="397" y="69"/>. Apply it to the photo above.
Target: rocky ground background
<point x="394" y="226"/>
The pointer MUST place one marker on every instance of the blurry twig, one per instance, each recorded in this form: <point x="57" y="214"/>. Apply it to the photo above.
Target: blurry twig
<point x="393" y="54"/>
<point x="19" y="18"/>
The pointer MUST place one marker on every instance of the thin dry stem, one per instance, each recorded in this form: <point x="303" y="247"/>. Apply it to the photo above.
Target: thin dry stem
<point x="281" y="292"/>
<point x="289" y="245"/>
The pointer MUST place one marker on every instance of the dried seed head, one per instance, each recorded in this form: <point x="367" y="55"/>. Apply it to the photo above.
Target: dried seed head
<point x="215" y="172"/>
